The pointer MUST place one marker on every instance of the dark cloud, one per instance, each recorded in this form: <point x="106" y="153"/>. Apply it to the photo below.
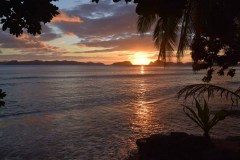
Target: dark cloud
<point x="27" y="44"/>
<point x="133" y="43"/>
<point x="101" y="20"/>
<point x="107" y="25"/>
<point x="49" y="36"/>
<point x="95" y="51"/>
<point x="47" y="29"/>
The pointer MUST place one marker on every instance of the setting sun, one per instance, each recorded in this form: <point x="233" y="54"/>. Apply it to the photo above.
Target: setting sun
<point x="140" y="59"/>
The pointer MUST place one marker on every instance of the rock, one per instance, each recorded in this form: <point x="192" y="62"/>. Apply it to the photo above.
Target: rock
<point x="181" y="146"/>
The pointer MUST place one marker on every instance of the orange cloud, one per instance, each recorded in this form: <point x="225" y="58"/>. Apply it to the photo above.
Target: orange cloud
<point x="23" y="37"/>
<point x="70" y="34"/>
<point x="63" y="17"/>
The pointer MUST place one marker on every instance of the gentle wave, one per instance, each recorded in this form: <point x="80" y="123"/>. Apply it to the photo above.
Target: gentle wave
<point x="94" y="112"/>
<point x="99" y="76"/>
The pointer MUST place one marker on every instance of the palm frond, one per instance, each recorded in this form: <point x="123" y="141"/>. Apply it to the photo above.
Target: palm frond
<point x="165" y="35"/>
<point x="203" y="118"/>
<point x="185" y="31"/>
<point x="145" y="23"/>
<point x="237" y="91"/>
<point x="196" y="90"/>
<point x="193" y="115"/>
<point x="158" y="33"/>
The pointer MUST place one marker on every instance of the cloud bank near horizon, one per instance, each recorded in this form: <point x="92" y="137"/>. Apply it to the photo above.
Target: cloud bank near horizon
<point x="83" y="31"/>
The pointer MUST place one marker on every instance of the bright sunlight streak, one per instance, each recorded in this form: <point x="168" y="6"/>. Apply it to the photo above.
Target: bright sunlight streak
<point x="140" y="59"/>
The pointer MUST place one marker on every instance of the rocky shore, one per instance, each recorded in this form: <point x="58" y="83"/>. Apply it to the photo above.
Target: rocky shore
<point x="182" y="146"/>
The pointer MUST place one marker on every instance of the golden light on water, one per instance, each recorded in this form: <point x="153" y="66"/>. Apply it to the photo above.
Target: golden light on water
<point x="142" y="70"/>
<point x="142" y="111"/>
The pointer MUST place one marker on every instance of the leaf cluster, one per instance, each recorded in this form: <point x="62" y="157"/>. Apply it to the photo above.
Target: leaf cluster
<point x="2" y="95"/>
<point x="17" y="15"/>
<point x="208" y="53"/>
<point x="114" y="1"/>
<point x="216" y="44"/>
<point x="162" y="8"/>
<point x="202" y="116"/>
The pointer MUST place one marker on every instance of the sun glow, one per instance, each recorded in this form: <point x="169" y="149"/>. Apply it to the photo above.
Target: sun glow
<point x="140" y="59"/>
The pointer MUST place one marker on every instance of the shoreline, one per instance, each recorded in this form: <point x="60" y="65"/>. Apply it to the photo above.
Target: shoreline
<point x="183" y="146"/>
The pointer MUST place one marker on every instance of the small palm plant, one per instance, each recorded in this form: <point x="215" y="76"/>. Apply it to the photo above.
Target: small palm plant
<point x="203" y="118"/>
<point x="2" y="95"/>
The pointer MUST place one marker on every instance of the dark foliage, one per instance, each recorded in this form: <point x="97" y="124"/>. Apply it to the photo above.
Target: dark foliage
<point x="197" y="90"/>
<point x="114" y="1"/>
<point x="18" y="15"/>
<point x="211" y="29"/>
<point x="2" y="95"/>
<point x="203" y="118"/>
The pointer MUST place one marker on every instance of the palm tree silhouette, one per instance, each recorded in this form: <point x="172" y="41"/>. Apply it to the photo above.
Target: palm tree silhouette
<point x="165" y="20"/>
<point x="210" y="29"/>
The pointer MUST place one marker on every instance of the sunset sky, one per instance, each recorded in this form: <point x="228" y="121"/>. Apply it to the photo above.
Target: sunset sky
<point x="84" y="31"/>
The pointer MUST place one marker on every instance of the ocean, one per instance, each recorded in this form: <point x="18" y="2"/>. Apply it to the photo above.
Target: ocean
<point x="96" y="112"/>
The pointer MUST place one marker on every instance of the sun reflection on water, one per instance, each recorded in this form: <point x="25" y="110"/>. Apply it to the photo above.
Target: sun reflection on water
<point x="142" y="120"/>
<point x="142" y="70"/>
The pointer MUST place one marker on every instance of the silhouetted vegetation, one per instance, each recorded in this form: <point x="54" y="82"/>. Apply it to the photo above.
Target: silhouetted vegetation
<point x="203" y="118"/>
<point x="17" y="16"/>
<point x="2" y="95"/>
<point x="198" y="90"/>
<point x="161" y="63"/>
<point x="20" y="15"/>
<point x="210" y="29"/>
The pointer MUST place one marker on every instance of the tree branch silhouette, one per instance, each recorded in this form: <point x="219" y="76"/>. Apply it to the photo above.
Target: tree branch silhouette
<point x="19" y="15"/>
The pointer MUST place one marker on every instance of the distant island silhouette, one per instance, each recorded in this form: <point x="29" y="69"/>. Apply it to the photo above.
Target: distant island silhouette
<point x="124" y="63"/>
<point x="65" y="62"/>
<point x="38" y="62"/>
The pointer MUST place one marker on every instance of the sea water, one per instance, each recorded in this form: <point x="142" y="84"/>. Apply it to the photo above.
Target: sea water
<point x="96" y="112"/>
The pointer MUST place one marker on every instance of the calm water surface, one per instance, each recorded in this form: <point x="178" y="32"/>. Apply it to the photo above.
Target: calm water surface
<point x="94" y="112"/>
